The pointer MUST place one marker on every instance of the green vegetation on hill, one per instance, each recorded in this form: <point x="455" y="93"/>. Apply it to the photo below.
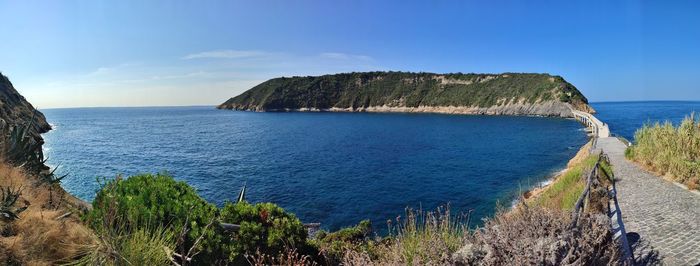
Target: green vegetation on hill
<point x="671" y="151"/>
<point x="403" y="89"/>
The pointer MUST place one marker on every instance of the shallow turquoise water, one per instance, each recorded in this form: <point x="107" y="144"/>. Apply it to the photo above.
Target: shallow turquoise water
<point x="332" y="168"/>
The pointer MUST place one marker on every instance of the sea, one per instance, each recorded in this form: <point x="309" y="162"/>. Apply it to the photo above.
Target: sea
<point x="331" y="168"/>
<point x="624" y="118"/>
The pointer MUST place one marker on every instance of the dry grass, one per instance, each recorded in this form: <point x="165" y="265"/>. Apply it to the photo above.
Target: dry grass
<point x="673" y="152"/>
<point x="522" y="236"/>
<point x="43" y="234"/>
<point x="421" y="238"/>
<point x="540" y="236"/>
<point x="289" y="257"/>
<point x="536" y="233"/>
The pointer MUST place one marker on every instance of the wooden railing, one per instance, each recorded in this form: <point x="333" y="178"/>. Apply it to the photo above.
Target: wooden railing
<point x="599" y="129"/>
<point x="617" y="227"/>
<point x="582" y="199"/>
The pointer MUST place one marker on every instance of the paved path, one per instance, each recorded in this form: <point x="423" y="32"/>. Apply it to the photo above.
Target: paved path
<point x="663" y="214"/>
<point x="598" y="128"/>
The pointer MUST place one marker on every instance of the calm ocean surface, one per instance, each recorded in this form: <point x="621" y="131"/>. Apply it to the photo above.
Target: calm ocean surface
<point x="624" y="118"/>
<point x="332" y="168"/>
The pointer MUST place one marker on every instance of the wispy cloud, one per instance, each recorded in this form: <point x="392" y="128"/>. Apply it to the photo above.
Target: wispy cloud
<point x="226" y="54"/>
<point x="344" y="56"/>
<point x="186" y="80"/>
<point x="111" y="69"/>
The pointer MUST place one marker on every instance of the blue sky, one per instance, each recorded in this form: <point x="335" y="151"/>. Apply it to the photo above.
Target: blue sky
<point x="148" y="53"/>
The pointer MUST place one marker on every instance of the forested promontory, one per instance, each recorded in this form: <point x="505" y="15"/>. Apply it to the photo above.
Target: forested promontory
<point x="491" y="94"/>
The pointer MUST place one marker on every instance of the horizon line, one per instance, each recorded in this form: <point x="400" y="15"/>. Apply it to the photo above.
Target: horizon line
<point x="214" y="105"/>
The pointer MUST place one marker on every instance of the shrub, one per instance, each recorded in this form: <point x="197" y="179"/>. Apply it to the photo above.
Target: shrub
<point x="671" y="151"/>
<point x="421" y="238"/>
<point x="264" y="228"/>
<point x="155" y="201"/>
<point x="334" y="244"/>
<point x="522" y="236"/>
<point x="541" y="236"/>
<point x="289" y="257"/>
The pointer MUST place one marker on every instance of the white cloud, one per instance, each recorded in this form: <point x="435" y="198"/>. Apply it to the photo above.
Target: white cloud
<point x="226" y="54"/>
<point x="111" y="69"/>
<point x="184" y="82"/>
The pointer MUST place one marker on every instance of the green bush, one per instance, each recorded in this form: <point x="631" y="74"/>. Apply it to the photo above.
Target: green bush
<point x="265" y="227"/>
<point x="355" y="233"/>
<point x="333" y="245"/>
<point x="155" y="201"/>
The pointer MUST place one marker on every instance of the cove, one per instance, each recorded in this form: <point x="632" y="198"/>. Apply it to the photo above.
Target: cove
<point x="332" y="168"/>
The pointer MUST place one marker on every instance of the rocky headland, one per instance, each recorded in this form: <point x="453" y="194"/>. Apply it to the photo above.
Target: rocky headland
<point x="16" y="110"/>
<point x="479" y="94"/>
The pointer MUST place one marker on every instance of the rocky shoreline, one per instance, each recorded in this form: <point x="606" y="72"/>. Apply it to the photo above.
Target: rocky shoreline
<point x="548" y="109"/>
<point x="532" y="193"/>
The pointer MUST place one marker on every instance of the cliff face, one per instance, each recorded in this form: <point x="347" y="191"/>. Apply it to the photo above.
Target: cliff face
<point x="48" y="216"/>
<point x="491" y="94"/>
<point x="16" y="110"/>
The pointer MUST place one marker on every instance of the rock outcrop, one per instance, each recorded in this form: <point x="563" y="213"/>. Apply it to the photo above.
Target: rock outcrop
<point x="15" y="110"/>
<point x="483" y="94"/>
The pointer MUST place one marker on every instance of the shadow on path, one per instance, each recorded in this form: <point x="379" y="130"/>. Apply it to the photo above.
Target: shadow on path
<point x="645" y="253"/>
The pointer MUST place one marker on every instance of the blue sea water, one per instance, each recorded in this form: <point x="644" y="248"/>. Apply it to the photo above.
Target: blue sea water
<point x="332" y="168"/>
<point x="624" y="118"/>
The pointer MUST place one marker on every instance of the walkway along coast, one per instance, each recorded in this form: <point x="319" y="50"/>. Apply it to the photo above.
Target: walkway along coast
<point x="598" y="128"/>
<point x="661" y="219"/>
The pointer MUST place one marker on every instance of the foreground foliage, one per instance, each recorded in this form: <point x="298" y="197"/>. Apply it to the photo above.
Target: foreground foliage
<point x="165" y="220"/>
<point x="564" y="191"/>
<point x="540" y="236"/>
<point x="523" y="236"/>
<point x="265" y="228"/>
<point x="333" y="245"/>
<point x="157" y="201"/>
<point x="40" y="223"/>
<point x="671" y="151"/>
<point x="120" y="245"/>
<point x="141" y="219"/>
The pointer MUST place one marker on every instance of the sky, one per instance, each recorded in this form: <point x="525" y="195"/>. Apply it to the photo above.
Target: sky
<point x="171" y="53"/>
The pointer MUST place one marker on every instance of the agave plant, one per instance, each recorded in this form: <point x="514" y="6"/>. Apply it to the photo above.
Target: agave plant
<point x="8" y="198"/>
<point x="22" y="149"/>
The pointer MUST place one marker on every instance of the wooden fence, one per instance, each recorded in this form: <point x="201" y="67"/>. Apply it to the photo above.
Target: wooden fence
<point x="617" y="227"/>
